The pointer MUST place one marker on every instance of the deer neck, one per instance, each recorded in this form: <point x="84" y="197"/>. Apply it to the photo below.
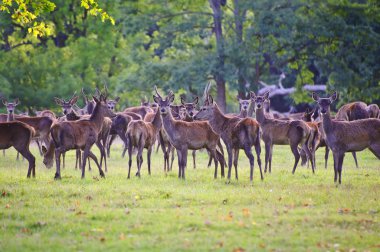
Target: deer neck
<point x="260" y="116"/>
<point x="327" y="122"/>
<point x="243" y="113"/>
<point x="157" y="121"/>
<point x="97" y="117"/>
<point x="251" y="109"/>
<point x="219" y="121"/>
<point x="10" y="117"/>
<point x="168" y="123"/>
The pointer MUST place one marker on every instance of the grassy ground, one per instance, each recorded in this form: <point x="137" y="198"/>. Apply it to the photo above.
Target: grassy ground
<point x="284" y="212"/>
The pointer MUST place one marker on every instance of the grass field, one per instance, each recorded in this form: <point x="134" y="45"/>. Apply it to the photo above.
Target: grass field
<point x="284" y="212"/>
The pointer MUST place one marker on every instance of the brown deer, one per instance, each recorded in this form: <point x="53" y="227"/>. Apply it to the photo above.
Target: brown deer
<point x="18" y="135"/>
<point x="188" y="135"/>
<point x="373" y="111"/>
<point x="237" y="133"/>
<point x="71" y="115"/>
<point x="347" y="136"/>
<point x="315" y="138"/>
<point x="81" y="134"/>
<point x="281" y="132"/>
<point x="245" y="108"/>
<point x="142" y="135"/>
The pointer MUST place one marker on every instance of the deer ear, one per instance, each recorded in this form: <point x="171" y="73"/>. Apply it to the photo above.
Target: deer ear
<point x="16" y="101"/>
<point x="58" y="101"/>
<point x="315" y="96"/>
<point x="253" y="95"/>
<point x="307" y="111"/>
<point x="196" y="100"/>
<point x="334" y="96"/>
<point x="266" y="95"/>
<point x="210" y="100"/>
<point x="5" y="102"/>
<point x="74" y="100"/>
<point x="117" y="99"/>
<point x="44" y="150"/>
<point x="156" y="99"/>
<point x="182" y="101"/>
<point x="171" y="98"/>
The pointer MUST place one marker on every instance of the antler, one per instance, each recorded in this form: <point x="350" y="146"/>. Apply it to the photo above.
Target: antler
<point x="206" y="91"/>
<point x="158" y="94"/>
<point x="84" y="95"/>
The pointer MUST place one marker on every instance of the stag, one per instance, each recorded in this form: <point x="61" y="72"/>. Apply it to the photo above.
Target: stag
<point x="81" y="134"/>
<point x="282" y="132"/>
<point x="188" y="135"/>
<point x="237" y="133"/>
<point x="347" y="136"/>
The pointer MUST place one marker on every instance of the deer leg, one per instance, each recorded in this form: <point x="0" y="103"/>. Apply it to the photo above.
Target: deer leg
<point x="179" y="156"/>
<point x="139" y="159"/>
<point x="214" y="156"/>
<point x="184" y="161"/>
<point x="92" y="155"/>
<point x="222" y="162"/>
<point x="172" y="160"/>
<point x="229" y="152"/>
<point x="209" y="159"/>
<point x="194" y="154"/>
<point x="57" y="163"/>
<point x="77" y="159"/>
<point x="336" y="163"/>
<point x="341" y="158"/>
<point x="111" y="138"/>
<point x="149" y="154"/>
<point x="270" y="158"/>
<point x="356" y="160"/>
<point x="375" y="149"/>
<point x="327" y="150"/>
<point x="267" y="152"/>
<point x="248" y="153"/>
<point x="39" y="147"/>
<point x="296" y="154"/>
<point x="258" y="152"/>
<point x="235" y="161"/>
<point x="3" y="153"/>
<point x="63" y="160"/>
<point x="25" y="152"/>
<point x="102" y="155"/>
<point x="129" y="156"/>
<point x="309" y="155"/>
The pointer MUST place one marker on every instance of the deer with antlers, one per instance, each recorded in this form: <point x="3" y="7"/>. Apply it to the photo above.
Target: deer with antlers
<point x="188" y="135"/>
<point x="347" y="136"/>
<point x="237" y="133"/>
<point x="282" y="132"/>
<point x="81" y="134"/>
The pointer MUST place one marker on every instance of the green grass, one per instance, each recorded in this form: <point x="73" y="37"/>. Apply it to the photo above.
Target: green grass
<point x="284" y="212"/>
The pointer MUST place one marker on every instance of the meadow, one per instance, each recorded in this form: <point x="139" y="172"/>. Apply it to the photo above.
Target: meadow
<point x="284" y="212"/>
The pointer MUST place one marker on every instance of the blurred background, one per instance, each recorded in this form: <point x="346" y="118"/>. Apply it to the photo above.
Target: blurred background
<point x="238" y="45"/>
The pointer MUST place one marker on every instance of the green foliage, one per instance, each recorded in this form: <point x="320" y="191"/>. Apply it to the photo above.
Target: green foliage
<point x="171" y="44"/>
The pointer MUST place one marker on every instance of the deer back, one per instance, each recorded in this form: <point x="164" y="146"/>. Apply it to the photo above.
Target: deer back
<point x="352" y="111"/>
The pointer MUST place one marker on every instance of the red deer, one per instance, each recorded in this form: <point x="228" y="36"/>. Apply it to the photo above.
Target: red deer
<point x="245" y="109"/>
<point x="142" y="135"/>
<point x="18" y="135"/>
<point x="70" y="115"/>
<point x="81" y="134"/>
<point x="188" y="135"/>
<point x="373" y="111"/>
<point x="237" y="133"/>
<point x="347" y="136"/>
<point x="315" y="138"/>
<point x="281" y="132"/>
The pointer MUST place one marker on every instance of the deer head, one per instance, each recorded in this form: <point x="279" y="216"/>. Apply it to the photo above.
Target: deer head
<point x="190" y="107"/>
<point x="101" y="106"/>
<point x="112" y="103"/>
<point x="67" y="106"/>
<point x="244" y="104"/>
<point x="163" y="104"/>
<point x="324" y="103"/>
<point x="11" y="105"/>
<point x="259" y="101"/>
<point x="206" y="112"/>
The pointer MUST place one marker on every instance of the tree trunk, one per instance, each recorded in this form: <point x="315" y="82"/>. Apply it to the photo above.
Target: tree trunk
<point x="218" y="72"/>
<point x="239" y="16"/>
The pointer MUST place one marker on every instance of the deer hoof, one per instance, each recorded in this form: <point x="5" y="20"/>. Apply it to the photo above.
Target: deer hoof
<point x="228" y="182"/>
<point x="102" y="174"/>
<point x="57" y="176"/>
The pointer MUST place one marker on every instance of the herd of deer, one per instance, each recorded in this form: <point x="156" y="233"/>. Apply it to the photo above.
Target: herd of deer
<point x="355" y="127"/>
